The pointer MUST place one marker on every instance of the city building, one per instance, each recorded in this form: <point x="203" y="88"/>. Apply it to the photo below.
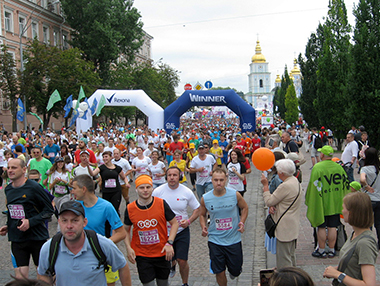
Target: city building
<point x="23" y="20"/>
<point x="260" y="95"/>
<point x="295" y="75"/>
<point x="20" y="22"/>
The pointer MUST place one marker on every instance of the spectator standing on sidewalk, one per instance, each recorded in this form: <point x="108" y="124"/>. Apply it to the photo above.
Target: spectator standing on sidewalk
<point x="286" y="198"/>
<point x="349" y="156"/>
<point x="324" y="196"/>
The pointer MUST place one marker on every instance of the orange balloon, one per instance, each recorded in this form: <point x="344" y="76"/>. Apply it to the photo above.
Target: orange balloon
<point x="263" y="159"/>
<point x="335" y="159"/>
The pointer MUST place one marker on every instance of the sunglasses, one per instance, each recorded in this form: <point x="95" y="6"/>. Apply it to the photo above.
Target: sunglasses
<point x="37" y="180"/>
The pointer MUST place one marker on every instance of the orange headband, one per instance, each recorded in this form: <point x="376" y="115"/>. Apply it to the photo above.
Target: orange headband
<point x="143" y="179"/>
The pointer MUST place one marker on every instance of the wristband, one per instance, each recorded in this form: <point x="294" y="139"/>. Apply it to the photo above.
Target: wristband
<point x="189" y="221"/>
<point x="168" y="244"/>
<point x="241" y="223"/>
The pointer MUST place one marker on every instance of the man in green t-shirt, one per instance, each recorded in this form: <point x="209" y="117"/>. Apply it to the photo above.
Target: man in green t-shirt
<point x="41" y="164"/>
<point x="324" y="198"/>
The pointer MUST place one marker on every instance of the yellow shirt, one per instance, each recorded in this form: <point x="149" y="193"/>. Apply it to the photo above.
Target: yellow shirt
<point x="181" y="165"/>
<point x="217" y="152"/>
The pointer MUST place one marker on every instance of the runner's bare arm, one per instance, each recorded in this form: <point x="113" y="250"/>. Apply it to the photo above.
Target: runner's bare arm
<point x="125" y="275"/>
<point x="127" y="240"/>
<point x="203" y="217"/>
<point x="118" y="234"/>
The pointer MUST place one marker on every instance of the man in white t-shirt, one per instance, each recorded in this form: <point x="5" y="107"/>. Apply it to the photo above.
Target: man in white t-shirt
<point x="111" y="145"/>
<point x="202" y="165"/>
<point x="349" y="156"/>
<point x="179" y="197"/>
<point x="127" y="169"/>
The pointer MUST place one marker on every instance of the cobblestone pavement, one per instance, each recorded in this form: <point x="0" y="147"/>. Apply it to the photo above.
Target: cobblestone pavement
<point x="255" y="255"/>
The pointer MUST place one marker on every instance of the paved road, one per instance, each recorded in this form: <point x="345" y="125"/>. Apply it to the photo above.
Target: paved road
<point x="255" y="255"/>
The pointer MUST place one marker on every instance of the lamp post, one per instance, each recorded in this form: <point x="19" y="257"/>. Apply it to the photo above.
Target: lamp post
<point x="22" y="32"/>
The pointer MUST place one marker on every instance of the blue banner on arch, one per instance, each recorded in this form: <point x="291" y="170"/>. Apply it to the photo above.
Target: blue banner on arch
<point x="228" y="98"/>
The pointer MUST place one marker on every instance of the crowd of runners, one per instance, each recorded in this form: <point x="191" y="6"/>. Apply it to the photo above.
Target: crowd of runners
<point x="84" y="178"/>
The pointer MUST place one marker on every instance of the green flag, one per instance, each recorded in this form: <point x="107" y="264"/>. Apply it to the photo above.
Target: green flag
<point x="54" y="97"/>
<point x="80" y="96"/>
<point x="39" y="118"/>
<point x="101" y="104"/>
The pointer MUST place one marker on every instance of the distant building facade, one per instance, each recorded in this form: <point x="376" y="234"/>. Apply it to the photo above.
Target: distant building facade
<point x="259" y="95"/>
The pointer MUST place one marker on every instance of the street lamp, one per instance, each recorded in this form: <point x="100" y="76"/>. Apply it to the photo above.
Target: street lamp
<point x="24" y="29"/>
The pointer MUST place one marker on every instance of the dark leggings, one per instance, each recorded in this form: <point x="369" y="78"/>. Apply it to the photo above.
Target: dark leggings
<point x="193" y="178"/>
<point x="115" y="199"/>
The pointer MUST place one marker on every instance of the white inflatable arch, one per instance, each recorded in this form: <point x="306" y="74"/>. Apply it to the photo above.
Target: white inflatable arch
<point x="136" y="98"/>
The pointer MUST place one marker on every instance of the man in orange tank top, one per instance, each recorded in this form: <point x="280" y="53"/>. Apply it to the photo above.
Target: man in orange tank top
<point x="150" y="245"/>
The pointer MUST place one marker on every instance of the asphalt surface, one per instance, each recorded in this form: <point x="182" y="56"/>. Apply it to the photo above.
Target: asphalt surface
<point x="255" y="255"/>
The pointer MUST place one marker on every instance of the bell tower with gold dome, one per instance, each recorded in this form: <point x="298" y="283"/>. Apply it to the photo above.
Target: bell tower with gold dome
<point x="295" y="75"/>
<point x="259" y="81"/>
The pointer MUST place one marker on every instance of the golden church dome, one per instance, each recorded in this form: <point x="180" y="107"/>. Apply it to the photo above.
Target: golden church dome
<point x="258" y="57"/>
<point x="295" y="69"/>
<point x="278" y="79"/>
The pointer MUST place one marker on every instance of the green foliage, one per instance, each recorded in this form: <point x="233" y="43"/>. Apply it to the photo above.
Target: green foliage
<point x="291" y="104"/>
<point x="158" y="82"/>
<point x="9" y="83"/>
<point x="333" y="68"/>
<point x="279" y="94"/>
<point x="364" y="79"/>
<point x="309" y="67"/>
<point x="49" y="68"/>
<point x="104" y="30"/>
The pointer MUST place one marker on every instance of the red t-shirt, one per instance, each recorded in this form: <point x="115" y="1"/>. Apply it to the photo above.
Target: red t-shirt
<point x="242" y="143"/>
<point x="174" y="146"/>
<point x="92" y="156"/>
<point x="256" y="143"/>
<point x="247" y="166"/>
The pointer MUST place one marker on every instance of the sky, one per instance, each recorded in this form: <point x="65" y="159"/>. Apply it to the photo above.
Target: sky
<point x="214" y="40"/>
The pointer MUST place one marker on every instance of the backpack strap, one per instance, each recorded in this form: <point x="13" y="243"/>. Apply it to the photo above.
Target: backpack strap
<point x="95" y="246"/>
<point x="53" y="253"/>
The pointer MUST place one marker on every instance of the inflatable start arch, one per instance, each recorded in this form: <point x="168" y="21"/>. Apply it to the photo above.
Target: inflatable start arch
<point x="136" y="98"/>
<point x="228" y="98"/>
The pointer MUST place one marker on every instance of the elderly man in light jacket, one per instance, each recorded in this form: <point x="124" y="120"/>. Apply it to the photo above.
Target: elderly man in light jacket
<point x="288" y="228"/>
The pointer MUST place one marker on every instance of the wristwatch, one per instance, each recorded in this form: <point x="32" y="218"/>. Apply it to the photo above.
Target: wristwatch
<point x="170" y="242"/>
<point x="341" y="277"/>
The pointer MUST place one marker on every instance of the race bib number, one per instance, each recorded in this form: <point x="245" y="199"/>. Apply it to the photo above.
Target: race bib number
<point x="205" y="172"/>
<point x="234" y="180"/>
<point x="223" y="223"/>
<point x="60" y="190"/>
<point x="143" y="170"/>
<point x="148" y="237"/>
<point x="16" y="211"/>
<point x="110" y="183"/>
<point x="156" y="177"/>
<point x="51" y="154"/>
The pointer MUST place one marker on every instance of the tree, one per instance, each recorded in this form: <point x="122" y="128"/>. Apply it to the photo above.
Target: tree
<point x="158" y="82"/>
<point x="333" y="68"/>
<point x="291" y="104"/>
<point x="104" y="30"/>
<point x="309" y="67"/>
<point x="279" y="95"/>
<point x="49" y="68"/>
<point x="9" y="83"/>
<point x="364" y="83"/>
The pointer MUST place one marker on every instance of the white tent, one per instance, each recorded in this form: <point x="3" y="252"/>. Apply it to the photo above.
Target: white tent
<point x="136" y="98"/>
